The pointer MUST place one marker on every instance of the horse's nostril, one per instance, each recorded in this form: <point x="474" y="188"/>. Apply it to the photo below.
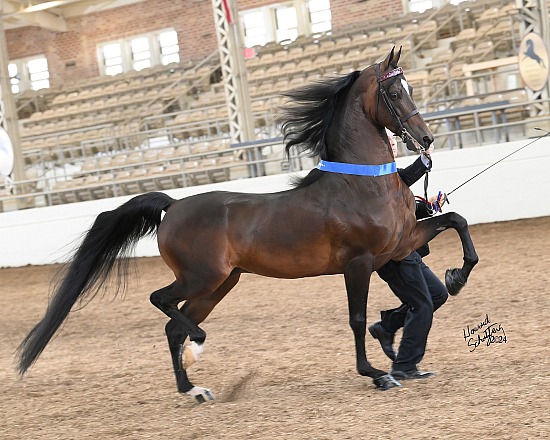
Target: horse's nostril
<point x="427" y="141"/>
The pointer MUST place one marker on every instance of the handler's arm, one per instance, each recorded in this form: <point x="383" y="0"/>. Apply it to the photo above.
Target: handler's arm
<point x="413" y="172"/>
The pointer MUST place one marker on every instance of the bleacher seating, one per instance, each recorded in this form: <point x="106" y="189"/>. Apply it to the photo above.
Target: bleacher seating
<point x="99" y="123"/>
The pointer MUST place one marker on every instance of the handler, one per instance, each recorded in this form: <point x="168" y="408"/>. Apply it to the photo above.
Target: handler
<point x="418" y="288"/>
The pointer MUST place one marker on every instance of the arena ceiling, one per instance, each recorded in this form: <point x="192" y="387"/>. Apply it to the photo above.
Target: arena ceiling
<point x="52" y="14"/>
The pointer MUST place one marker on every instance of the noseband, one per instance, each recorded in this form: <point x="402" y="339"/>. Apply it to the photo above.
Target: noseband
<point x="404" y="134"/>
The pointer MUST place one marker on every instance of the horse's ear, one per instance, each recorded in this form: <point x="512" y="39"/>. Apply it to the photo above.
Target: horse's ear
<point x="397" y="56"/>
<point x="388" y="61"/>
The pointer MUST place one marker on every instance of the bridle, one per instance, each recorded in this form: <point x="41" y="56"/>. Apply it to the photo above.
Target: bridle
<point x="403" y="133"/>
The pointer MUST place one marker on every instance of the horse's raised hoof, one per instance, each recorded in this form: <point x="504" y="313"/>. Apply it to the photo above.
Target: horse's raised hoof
<point x="454" y="281"/>
<point x="191" y="354"/>
<point x="385" y="382"/>
<point x="200" y="394"/>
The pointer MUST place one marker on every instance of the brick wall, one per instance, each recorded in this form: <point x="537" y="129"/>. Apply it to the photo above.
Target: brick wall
<point x="72" y="55"/>
<point x="349" y="12"/>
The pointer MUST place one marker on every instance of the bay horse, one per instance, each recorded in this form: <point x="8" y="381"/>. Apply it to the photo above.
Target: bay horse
<point x="349" y="216"/>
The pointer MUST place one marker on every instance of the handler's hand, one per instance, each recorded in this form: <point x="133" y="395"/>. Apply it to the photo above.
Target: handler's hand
<point x="429" y="151"/>
<point x="438" y="200"/>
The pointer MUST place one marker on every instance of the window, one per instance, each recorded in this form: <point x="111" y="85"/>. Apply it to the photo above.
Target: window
<point x="112" y="58"/>
<point x="139" y="52"/>
<point x="254" y="28"/>
<point x="420" y="5"/>
<point x="285" y="21"/>
<point x="169" y="47"/>
<point x="14" y="77"/>
<point x="29" y="74"/>
<point x="38" y="73"/>
<point x="320" y="16"/>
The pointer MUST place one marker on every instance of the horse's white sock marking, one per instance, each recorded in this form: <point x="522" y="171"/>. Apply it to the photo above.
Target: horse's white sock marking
<point x="191" y="354"/>
<point x="200" y="394"/>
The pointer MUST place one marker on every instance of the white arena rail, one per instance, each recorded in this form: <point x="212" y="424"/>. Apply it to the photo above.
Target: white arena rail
<point x="516" y="188"/>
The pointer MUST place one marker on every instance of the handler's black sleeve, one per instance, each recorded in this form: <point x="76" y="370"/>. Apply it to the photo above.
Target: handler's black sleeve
<point x="413" y="172"/>
<point x="411" y="175"/>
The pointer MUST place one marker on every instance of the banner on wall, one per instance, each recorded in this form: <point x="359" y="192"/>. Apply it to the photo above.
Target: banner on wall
<point x="533" y="62"/>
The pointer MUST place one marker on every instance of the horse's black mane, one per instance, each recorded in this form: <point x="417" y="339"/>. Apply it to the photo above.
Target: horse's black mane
<point x="306" y="121"/>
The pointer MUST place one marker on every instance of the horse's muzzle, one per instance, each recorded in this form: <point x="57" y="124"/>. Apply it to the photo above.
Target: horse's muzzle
<point x="413" y="145"/>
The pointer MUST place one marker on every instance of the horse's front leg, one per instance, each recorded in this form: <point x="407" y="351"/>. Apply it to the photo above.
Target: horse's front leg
<point x="357" y="276"/>
<point x="455" y="279"/>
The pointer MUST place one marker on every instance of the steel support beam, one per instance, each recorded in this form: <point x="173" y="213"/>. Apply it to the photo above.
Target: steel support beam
<point x="41" y="18"/>
<point x="233" y="68"/>
<point x="8" y="114"/>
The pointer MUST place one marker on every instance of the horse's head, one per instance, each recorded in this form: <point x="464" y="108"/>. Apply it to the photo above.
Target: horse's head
<point x="390" y="102"/>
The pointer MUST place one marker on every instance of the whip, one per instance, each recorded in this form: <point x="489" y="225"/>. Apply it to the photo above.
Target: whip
<point x="444" y="197"/>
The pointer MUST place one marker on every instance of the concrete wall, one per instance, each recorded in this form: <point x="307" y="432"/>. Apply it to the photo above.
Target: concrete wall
<point x="513" y="189"/>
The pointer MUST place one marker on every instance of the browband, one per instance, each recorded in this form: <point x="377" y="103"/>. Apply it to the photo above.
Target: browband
<point x="391" y="74"/>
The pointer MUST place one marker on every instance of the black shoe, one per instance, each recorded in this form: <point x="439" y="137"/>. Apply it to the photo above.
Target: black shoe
<point x="411" y="374"/>
<point x="385" y="338"/>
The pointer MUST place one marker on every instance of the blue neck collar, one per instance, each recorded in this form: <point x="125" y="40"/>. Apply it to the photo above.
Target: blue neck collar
<point x="357" y="170"/>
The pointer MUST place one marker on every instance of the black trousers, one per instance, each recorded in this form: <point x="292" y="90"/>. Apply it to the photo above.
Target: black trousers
<point x="421" y="293"/>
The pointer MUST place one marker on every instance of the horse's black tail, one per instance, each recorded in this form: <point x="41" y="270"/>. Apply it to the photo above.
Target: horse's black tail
<point x="114" y="234"/>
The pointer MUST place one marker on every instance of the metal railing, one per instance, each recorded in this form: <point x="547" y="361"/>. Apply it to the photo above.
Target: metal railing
<point x="456" y="128"/>
<point x="254" y="159"/>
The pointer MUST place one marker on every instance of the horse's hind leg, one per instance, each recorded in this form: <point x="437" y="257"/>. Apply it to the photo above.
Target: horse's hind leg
<point x="197" y="310"/>
<point x="184" y="323"/>
<point x="177" y="329"/>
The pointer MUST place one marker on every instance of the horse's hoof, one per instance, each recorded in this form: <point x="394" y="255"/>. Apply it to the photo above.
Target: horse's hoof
<point x="191" y="354"/>
<point x="385" y="382"/>
<point x="454" y="281"/>
<point x="200" y="394"/>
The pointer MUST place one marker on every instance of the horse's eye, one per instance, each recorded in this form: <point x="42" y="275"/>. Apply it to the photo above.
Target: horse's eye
<point x="393" y="96"/>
